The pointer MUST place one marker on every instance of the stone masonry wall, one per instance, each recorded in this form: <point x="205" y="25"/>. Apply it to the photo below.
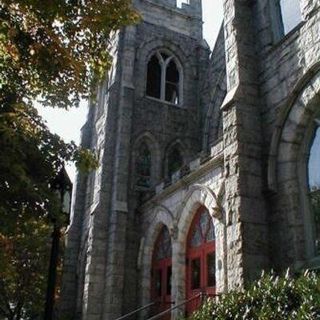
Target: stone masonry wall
<point x="285" y="64"/>
<point x="247" y="230"/>
<point x="163" y="123"/>
<point x="253" y="182"/>
<point x="175" y="207"/>
<point x="213" y="93"/>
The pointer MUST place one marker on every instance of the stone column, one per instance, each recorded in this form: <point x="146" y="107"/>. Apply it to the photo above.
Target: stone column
<point x="116" y="255"/>
<point x="70" y="277"/>
<point x="247" y="244"/>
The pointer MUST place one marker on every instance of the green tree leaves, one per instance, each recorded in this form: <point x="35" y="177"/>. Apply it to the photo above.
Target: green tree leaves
<point x="56" y="52"/>
<point x="270" y="298"/>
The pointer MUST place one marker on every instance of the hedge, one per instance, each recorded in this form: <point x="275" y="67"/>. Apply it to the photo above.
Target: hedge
<point x="271" y="297"/>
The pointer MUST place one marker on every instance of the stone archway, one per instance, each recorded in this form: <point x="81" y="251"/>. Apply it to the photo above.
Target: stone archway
<point x="161" y="217"/>
<point x="198" y="196"/>
<point x="292" y="121"/>
<point x="154" y="147"/>
<point x="287" y="171"/>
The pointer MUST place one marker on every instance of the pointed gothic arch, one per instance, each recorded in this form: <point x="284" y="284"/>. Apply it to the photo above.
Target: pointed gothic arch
<point x="213" y="125"/>
<point x="197" y="197"/>
<point x="164" y="79"/>
<point x="288" y="161"/>
<point x="200" y="258"/>
<point x="174" y="158"/>
<point x="161" y="217"/>
<point x="145" y="161"/>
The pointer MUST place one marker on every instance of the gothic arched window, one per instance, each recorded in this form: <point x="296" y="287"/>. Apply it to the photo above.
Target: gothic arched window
<point x="175" y="160"/>
<point x="163" y="248"/>
<point x="164" y="78"/>
<point x="314" y="187"/>
<point x="143" y="166"/>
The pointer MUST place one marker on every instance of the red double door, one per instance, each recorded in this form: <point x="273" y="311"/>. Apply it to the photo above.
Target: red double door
<point x="200" y="262"/>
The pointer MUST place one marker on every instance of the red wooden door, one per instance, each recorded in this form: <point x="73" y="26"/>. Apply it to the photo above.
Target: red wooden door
<point x="200" y="262"/>
<point x="162" y="273"/>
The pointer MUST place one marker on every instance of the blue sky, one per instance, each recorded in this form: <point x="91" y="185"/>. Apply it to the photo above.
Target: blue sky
<point x="314" y="172"/>
<point x="68" y="123"/>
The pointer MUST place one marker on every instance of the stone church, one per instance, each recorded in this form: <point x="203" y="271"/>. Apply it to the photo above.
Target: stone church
<point x="209" y="161"/>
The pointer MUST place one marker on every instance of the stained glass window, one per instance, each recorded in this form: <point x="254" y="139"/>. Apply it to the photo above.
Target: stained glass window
<point x="210" y="234"/>
<point x="175" y="161"/>
<point x="314" y="186"/>
<point x="196" y="237"/>
<point x="203" y="230"/>
<point x="163" y="248"/>
<point x="143" y="167"/>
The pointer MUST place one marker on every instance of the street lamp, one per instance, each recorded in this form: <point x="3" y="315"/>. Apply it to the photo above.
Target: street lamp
<point x="62" y="186"/>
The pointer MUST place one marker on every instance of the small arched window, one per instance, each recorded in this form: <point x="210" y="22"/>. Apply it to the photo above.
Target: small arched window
<point x="175" y="160"/>
<point x="164" y="78"/>
<point x="163" y="248"/>
<point x="143" y="166"/>
<point x="314" y="187"/>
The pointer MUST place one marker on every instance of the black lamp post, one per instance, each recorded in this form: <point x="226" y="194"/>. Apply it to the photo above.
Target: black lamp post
<point x="62" y="186"/>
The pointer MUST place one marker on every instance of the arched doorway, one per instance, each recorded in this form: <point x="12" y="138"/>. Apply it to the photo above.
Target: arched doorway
<point x="200" y="262"/>
<point x="162" y="271"/>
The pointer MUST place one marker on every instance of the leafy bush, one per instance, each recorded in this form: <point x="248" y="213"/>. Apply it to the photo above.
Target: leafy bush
<point x="270" y="298"/>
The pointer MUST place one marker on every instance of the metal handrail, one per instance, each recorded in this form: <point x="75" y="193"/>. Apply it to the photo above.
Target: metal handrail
<point x="159" y="315"/>
<point x="136" y="311"/>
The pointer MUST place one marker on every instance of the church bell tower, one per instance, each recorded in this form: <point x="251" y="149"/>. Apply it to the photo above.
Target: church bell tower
<point x="143" y="125"/>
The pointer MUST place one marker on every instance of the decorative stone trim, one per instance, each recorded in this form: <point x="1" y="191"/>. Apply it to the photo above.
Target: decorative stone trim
<point x="294" y="106"/>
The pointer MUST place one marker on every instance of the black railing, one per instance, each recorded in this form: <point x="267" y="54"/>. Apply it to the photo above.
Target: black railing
<point x="165" y="312"/>
<point x="134" y="312"/>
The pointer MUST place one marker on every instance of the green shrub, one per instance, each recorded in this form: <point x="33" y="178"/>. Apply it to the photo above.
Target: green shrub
<point x="270" y="298"/>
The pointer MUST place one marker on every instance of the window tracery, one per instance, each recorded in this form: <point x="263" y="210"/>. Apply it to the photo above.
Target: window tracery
<point x="164" y="78"/>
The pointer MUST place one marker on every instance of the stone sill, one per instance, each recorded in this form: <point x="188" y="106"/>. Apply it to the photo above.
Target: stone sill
<point x="180" y="105"/>
<point x="289" y="37"/>
<point x="197" y="169"/>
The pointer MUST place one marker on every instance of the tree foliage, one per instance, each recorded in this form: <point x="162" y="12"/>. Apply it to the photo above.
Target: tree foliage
<point x="56" y="49"/>
<point x="24" y="256"/>
<point x="270" y="298"/>
<point x="55" y="52"/>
